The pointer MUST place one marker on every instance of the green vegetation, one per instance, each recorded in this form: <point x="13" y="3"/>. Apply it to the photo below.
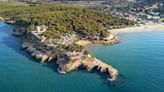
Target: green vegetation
<point x="62" y="18"/>
<point x="71" y="47"/>
<point x="86" y="52"/>
<point x="74" y="47"/>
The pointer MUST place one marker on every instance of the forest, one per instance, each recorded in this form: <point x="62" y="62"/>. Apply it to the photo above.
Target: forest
<point x="83" y="20"/>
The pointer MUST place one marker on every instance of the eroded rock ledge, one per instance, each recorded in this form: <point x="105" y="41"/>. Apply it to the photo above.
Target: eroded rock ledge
<point x="64" y="65"/>
<point x="89" y="63"/>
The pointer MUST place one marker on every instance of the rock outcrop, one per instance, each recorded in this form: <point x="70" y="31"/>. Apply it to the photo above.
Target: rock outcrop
<point x="67" y="62"/>
<point x="89" y="63"/>
<point x="19" y="31"/>
<point x="112" y="39"/>
<point x="10" y="22"/>
<point x="65" y="65"/>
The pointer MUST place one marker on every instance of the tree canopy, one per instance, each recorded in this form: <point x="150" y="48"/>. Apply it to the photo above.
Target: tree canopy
<point x="62" y="18"/>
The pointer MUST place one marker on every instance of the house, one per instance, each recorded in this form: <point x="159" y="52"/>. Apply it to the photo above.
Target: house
<point x="41" y="29"/>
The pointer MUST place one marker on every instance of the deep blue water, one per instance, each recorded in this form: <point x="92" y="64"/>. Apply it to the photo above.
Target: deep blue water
<point x="139" y="58"/>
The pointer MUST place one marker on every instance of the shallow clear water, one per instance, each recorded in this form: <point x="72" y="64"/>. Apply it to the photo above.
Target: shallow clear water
<point x="139" y="58"/>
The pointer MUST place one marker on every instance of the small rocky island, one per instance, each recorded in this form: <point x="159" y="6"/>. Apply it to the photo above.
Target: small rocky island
<point x="51" y="33"/>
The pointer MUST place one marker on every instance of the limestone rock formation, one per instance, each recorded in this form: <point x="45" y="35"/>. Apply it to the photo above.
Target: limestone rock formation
<point x="89" y="63"/>
<point x="65" y="65"/>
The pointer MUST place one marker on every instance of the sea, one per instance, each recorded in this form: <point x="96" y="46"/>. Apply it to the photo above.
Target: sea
<point x="139" y="58"/>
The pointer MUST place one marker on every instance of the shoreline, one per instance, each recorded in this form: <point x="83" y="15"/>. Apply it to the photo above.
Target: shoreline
<point x="67" y="61"/>
<point x="141" y="28"/>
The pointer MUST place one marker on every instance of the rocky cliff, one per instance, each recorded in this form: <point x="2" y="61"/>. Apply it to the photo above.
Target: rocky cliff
<point x="42" y="51"/>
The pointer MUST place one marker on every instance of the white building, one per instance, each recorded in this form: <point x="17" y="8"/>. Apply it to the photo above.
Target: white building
<point x="41" y="29"/>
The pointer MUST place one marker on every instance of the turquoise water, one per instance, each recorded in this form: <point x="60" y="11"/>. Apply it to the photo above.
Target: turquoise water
<point x="139" y="58"/>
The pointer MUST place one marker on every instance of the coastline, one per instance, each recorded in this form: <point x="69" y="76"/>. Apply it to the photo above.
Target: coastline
<point x="40" y="73"/>
<point x="68" y="61"/>
<point x="141" y="28"/>
<point x="109" y="40"/>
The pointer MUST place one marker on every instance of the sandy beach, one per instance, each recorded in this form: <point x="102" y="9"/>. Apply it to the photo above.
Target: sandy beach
<point x="141" y="28"/>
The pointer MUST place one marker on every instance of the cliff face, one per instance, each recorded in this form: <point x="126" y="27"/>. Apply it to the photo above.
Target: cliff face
<point x="89" y="63"/>
<point x="66" y="61"/>
<point x="65" y="65"/>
